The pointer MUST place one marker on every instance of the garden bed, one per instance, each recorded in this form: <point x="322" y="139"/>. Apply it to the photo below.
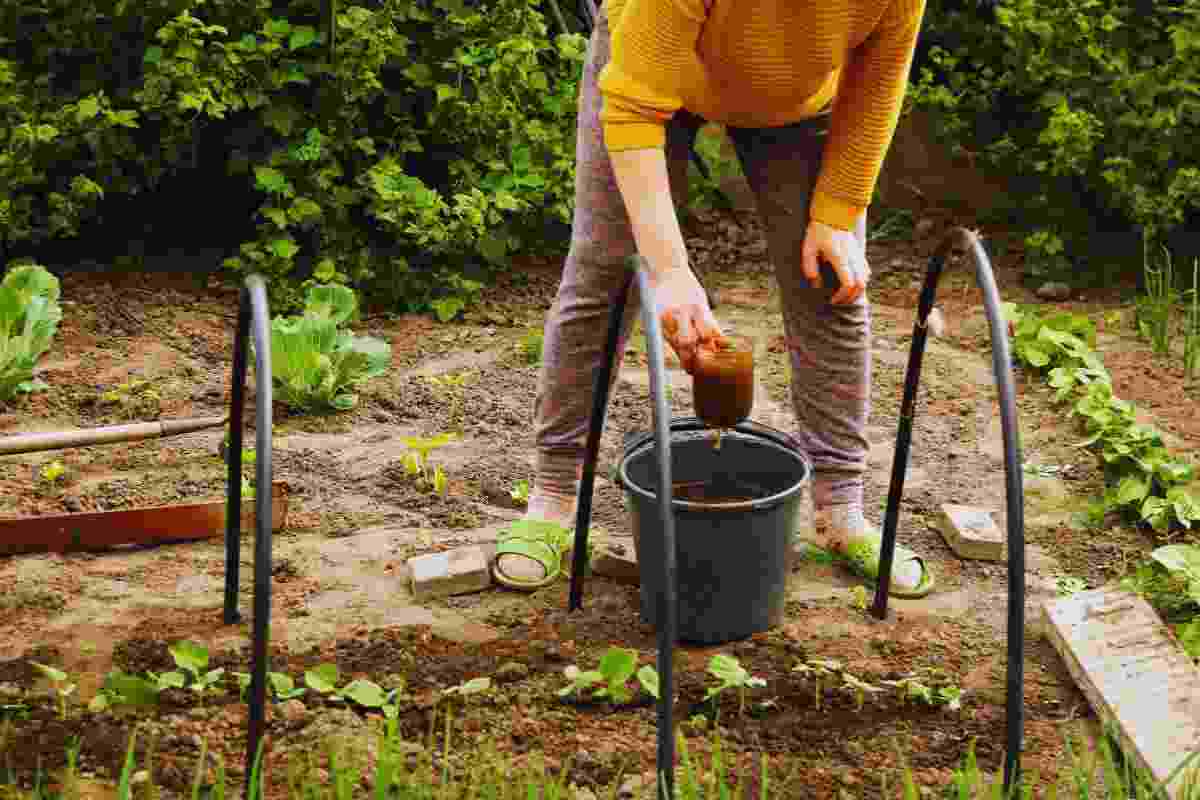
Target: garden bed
<point x="135" y="347"/>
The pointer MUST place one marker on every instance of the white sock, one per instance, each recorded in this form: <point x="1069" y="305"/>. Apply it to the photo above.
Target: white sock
<point x="843" y="518"/>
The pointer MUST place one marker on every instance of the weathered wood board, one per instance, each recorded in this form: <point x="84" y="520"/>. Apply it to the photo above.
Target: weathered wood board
<point x="1134" y="673"/>
<point x="97" y="530"/>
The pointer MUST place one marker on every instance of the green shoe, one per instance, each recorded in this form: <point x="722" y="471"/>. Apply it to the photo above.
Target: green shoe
<point x="548" y="544"/>
<point x="862" y="558"/>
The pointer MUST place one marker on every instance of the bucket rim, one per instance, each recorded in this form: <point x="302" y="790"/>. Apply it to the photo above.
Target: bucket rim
<point x="688" y="425"/>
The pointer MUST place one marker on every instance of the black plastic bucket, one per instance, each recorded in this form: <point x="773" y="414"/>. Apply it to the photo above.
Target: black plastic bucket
<point x="731" y="558"/>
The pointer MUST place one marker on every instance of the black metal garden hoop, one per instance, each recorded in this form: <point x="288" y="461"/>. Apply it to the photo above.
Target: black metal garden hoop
<point x="254" y="320"/>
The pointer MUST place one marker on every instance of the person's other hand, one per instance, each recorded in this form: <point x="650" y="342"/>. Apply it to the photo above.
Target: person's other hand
<point x="683" y="311"/>
<point x="842" y="250"/>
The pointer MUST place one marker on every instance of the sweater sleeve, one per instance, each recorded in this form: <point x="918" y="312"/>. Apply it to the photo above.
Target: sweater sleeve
<point x="865" y="115"/>
<point x="653" y="46"/>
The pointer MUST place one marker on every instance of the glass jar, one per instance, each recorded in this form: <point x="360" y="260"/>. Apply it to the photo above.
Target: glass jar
<point x="723" y="382"/>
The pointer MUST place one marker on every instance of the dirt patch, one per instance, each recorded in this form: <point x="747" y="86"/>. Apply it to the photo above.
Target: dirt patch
<point x="838" y="743"/>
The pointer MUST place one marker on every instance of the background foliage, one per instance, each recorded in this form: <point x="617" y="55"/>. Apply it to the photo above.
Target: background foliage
<point x="424" y="143"/>
<point x="428" y="140"/>
<point x="1091" y="107"/>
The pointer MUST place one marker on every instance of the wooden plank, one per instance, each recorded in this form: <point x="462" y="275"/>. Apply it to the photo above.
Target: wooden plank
<point x="1135" y="674"/>
<point x="91" y="530"/>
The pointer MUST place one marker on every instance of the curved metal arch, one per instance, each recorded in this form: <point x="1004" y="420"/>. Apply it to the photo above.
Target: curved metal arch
<point x="963" y="240"/>
<point x="254" y="321"/>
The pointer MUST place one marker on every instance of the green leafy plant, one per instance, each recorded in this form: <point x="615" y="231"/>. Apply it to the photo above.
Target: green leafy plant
<point x="520" y="492"/>
<point x="1191" y="327"/>
<point x="1086" y="83"/>
<point x="1155" y="309"/>
<point x="530" y="347"/>
<point x="730" y="674"/>
<point x="123" y="689"/>
<point x="365" y="693"/>
<point x="648" y="679"/>
<point x="1182" y="560"/>
<point x="1143" y="479"/>
<point x="911" y="687"/>
<point x="818" y="669"/>
<point x="137" y="398"/>
<point x="63" y="688"/>
<point x="611" y="677"/>
<point x="858" y="688"/>
<point x="416" y="461"/>
<point x="1067" y="585"/>
<point x="316" y="364"/>
<point x="283" y="686"/>
<point x="192" y="673"/>
<point x="322" y="679"/>
<point x="29" y="317"/>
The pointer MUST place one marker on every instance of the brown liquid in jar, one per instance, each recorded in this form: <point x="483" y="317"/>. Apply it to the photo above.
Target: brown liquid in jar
<point x="723" y="384"/>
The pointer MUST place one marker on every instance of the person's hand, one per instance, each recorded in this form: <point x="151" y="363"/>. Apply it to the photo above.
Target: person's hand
<point x="843" y="252"/>
<point x="683" y="311"/>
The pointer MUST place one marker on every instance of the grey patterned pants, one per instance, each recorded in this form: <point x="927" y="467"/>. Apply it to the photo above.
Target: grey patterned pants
<point x="829" y="345"/>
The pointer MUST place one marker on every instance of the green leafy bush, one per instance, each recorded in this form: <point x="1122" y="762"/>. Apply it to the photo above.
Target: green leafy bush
<point x="315" y="363"/>
<point x="29" y="317"/>
<point x="408" y="156"/>
<point x="1090" y="107"/>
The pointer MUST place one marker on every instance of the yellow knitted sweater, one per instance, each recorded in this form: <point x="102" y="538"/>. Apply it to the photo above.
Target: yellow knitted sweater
<point x="765" y="63"/>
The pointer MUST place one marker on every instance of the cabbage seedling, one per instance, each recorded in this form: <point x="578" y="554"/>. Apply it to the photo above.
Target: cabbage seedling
<point x="322" y="679"/>
<point x="283" y="686"/>
<point x="648" y="677"/>
<point x="616" y="667"/>
<point x="909" y="687"/>
<point x="732" y="675"/>
<point x="416" y="461"/>
<point x="192" y="659"/>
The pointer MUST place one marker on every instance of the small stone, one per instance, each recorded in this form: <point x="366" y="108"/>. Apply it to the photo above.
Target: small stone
<point x="293" y="711"/>
<point x="460" y="571"/>
<point x="616" y="562"/>
<point x="923" y="228"/>
<point x="1054" y="290"/>
<point x="971" y="533"/>
<point x="511" y="672"/>
<point x="71" y="503"/>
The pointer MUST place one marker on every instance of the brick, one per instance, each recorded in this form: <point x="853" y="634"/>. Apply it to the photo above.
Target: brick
<point x="460" y="571"/>
<point x="972" y="533"/>
<point x="616" y="562"/>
